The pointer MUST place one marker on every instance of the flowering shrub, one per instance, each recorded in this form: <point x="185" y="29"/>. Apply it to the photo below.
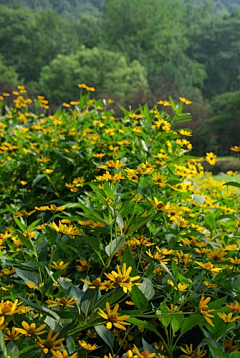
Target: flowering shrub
<point x="114" y="242"/>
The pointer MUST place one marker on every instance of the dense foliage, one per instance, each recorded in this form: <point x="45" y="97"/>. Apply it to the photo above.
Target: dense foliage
<point x="179" y="47"/>
<point x="113" y="241"/>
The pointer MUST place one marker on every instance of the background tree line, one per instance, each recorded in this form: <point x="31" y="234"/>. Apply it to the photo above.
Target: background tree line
<point x="134" y="51"/>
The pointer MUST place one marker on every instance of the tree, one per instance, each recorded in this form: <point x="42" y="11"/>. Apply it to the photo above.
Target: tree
<point x="221" y="131"/>
<point x="153" y="33"/>
<point x="215" y="43"/>
<point x="7" y="73"/>
<point x="107" y="71"/>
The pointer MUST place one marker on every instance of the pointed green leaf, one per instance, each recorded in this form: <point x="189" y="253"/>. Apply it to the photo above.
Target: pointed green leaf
<point x="128" y="260"/>
<point x="138" y="298"/>
<point x="106" y="335"/>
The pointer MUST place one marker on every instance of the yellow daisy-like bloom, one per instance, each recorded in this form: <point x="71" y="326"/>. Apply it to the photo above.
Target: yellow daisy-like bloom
<point x="111" y="356"/>
<point x="235" y="149"/>
<point x="95" y="284"/>
<point x="112" y="318"/>
<point x="62" y="302"/>
<point x="9" y="308"/>
<point x="63" y="354"/>
<point x="60" y="266"/>
<point x="227" y="318"/>
<point x="159" y="179"/>
<point x="209" y="267"/>
<point x="185" y="133"/>
<point x="122" y="278"/>
<point x="48" y="171"/>
<point x="211" y="158"/>
<point x="51" y="343"/>
<point x="105" y="177"/>
<point x="158" y="205"/>
<point x="185" y="101"/>
<point x="12" y="334"/>
<point x="87" y="346"/>
<point x="190" y="353"/>
<point x="234" y="307"/>
<point x="31" y="330"/>
<point x="64" y="229"/>
<point x="217" y="255"/>
<point x="164" y="103"/>
<point x="205" y="311"/>
<point x="137" y="354"/>
<point x="230" y="172"/>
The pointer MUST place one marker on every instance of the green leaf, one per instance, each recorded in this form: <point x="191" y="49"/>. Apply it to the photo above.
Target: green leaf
<point x="88" y="301"/>
<point x="177" y="321"/>
<point x="24" y="240"/>
<point x="215" y="349"/>
<point x="2" y="344"/>
<point x="235" y="354"/>
<point x="29" y="276"/>
<point x="190" y="322"/>
<point x="106" y="335"/>
<point x="144" y="324"/>
<point x="175" y="270"/>
<point x="138" y="298"/>
<point x="41" y="309"/>
<point x="95" y="245"/>
<point x="25" y="350"/>
<point x="128" y="260"/>
<point x="148" y="347"/>
<point x="20" y="224"/>
<point x="232" y="183"/>
<point x="37" y="179"/>
<point x="147" y="288"/>
<point x="165" y="312"/>
<point x="114" y="246"/>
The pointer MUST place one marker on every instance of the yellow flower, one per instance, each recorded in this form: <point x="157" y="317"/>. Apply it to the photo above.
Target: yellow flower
<point x="158" y="205"/>
<point x="209" y="267"/>
<point x="159" y="179"/>
<point x="87" y="346"/>
<point x="234" y="307"/>
<point x="84" y="265"/>
<point x="48" y="171"/>
<point x="185" y="133"/>
<point x="204" y="310"/>
<point x="235" y="149"/>
<point x="111" y="356"/>
<point x="106" y="177"/>
<point x="230" y="172"/>
<point x="95" y="284"/>
<point x="63" y="302"/>
<point x="190" y="353"/>
<point x="211" y="158"/>
<point x="112" y="318"/>
<point x="184" y="100"/>
<point x="137" y="354"/>
<point x="51" y="343"/>
<point x="12" y="334"/>
<point x="227" y="318"/>
<point x="216" y="255"/>
<point x="31" y="330"/>
<point x="210" y="285"/>
<point x="23" y="182"/>
<point x="164" y="103"/>
<point x="64" y="229"/>
<point x="63" y="354"/>
<point x="122" y="278"/>
<point x="60" y="266"/>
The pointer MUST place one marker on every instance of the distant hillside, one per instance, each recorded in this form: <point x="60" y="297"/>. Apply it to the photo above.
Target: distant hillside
<point x="70" y="9"/>
<point x="221" y="6"/>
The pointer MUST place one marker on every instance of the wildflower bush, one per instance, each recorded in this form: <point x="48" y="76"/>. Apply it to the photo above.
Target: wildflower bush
<point x="114" y="242"/>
